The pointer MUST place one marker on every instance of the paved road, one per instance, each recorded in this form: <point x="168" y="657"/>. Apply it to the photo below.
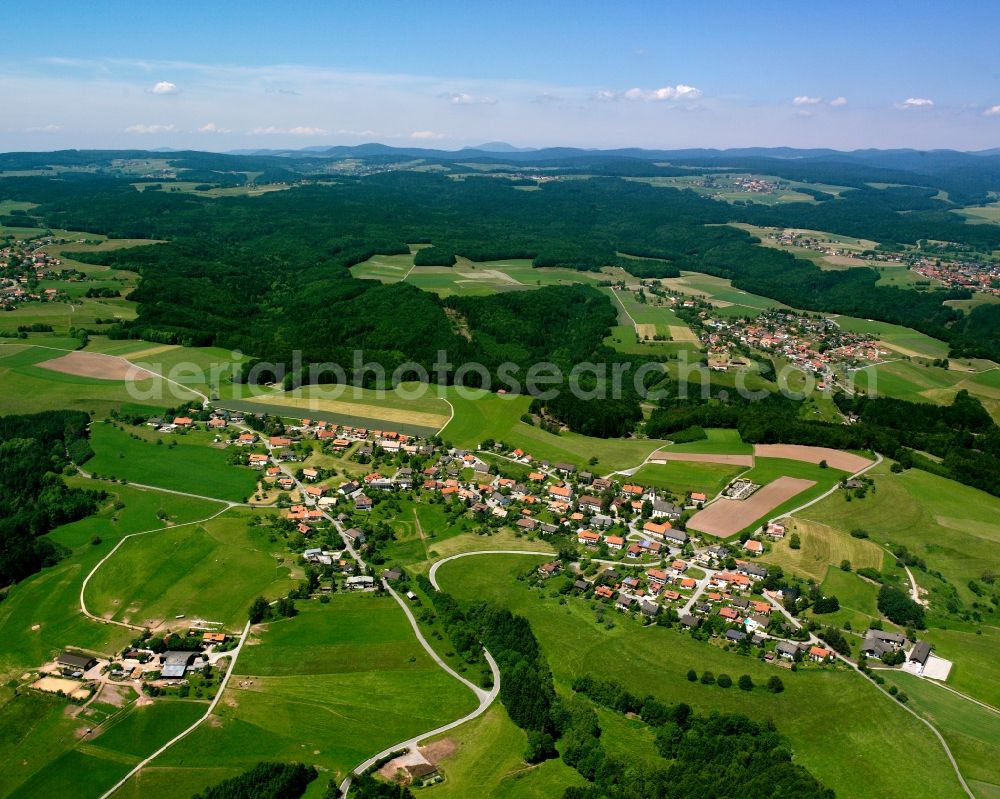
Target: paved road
<point x="484" y="697"/>
<point x="211" y="708"/>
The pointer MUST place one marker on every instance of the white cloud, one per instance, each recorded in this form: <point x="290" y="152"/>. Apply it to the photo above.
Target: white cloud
<point x="992" y="111"/>
<point x="674" y="93"/>
<point x="165" y="87"/>
<point x="211" y="127"/>
<point x="837" y="102"/>
<point x="806" y="100"/>
<point x="43" y="129"/>
<point x="605" y="95"/>
<point x="915" y="102"/>
<point x="426" y="135"/>
<point x="461" y="98"/>
<point x="546" y="97"/>
<point x="144" y="129"/>
<point x="298" y="130"/>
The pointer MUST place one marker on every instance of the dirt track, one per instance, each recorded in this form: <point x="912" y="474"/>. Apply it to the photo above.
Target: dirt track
<point x="93" y="364"/>
<point x="727" y="517"/>
<point x="837" y="459"/>
<point x="702" y="457"/>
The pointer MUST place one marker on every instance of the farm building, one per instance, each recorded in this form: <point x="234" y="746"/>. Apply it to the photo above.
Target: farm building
<point x="76" y="661"/>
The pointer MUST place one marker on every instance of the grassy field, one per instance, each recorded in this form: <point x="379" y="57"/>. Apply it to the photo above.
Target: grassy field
<point x="972" y="732"/>
<point x="956" y="528"/>
<point x="822" y="546"/>
<point x="973" y="653"/>
<point x="682" y="477"/>
<point x="720" y="293"/>
<point x="901" y="339"/>
<point x="857" y="597"/>
<point x="481" y="415"/>
<point x="470" y="278"/>
<point x="329" y="687"/>
<point x="488" y="760"/>
<point x="980" y="214"/>
<point x="718" y="442"/>
<point x="41" y="614"/>
<point x="821" y="259"/>
<point x="27" y="388"/>
<point x="209" y="571"/>
<point x="86" y="765"/>
<point x="182" y="463"/>
<point x="859" y="731"/>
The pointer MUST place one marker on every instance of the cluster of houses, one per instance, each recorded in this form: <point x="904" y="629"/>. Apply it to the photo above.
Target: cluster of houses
<point x="816" y="345"/>
<point x="972" y="275"/>
<point x="22" y="266"/>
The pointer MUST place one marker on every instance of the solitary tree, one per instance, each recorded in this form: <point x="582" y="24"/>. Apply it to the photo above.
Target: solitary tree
<point x="746" y="683"/>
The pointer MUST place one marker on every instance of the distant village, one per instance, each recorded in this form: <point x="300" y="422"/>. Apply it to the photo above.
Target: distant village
<point x="22" y="268"/>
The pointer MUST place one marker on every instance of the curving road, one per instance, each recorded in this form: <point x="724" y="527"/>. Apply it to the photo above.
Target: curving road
<point x="485" y="697"/>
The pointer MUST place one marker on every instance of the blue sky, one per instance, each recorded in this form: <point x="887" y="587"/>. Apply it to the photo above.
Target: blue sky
<point x="223" y="75"/>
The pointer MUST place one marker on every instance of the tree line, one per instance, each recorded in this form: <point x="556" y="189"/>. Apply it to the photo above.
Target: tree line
<point x="34" y="451"/>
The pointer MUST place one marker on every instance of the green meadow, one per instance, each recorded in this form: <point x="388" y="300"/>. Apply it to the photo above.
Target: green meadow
<point x="480" y="415"/>
<point x="487" y="759"/>
<point x="470" y="278"/>
<point x="954" y="527"/>
<point x="972" y="732"/>
<point x="41" y="615"/>
<point x="718" y="441"/>
<point x="822" y="546"/>
<point x="330" y="687"/>
<point x="55" y="758"/>
<point x="29" y="388"/>
<point x="181" y="463"/>
<point x="682" y="477"/>
<point x="837" y="724"/>
<point x="208" y="571"/>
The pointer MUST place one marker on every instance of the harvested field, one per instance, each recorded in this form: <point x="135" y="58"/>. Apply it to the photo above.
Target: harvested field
<point x="93" y="364"/>
<point x="727" y="517"/>
<point x="702" y="457"/>
<point x="645" y="331"/>
<point x="54" y="685"/>
<point x="376" y="413"/>
<point x="835" y="458"/>
<point x="683" y="333"/>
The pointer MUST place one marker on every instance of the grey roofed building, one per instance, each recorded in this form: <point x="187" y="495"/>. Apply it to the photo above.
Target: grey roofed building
<point x="688" y="620"/>
<point x="676" y="535"/>
<point x="875" y="647"/>
<point x="355" y="535"/>
<point x="887" y="636"/>
<point x="735" y="635"/>
<point x="649" y="609"/>
<point x="667" y="509"/>
<point x="175" y="663"/>
<point x="757" y="639"/>
<point x="751" y="570"/>
<point x="392" y="574"/>
<point x="601" y="521"/>
<point x="742" y="604"/>
<point x="566" y="468"/>
<point x="787" y="649"/>
<point x="548" y="528"/>
<point x="920" y="652"/>
<point x="74" y="660"/>
<point x="581" y="585"/>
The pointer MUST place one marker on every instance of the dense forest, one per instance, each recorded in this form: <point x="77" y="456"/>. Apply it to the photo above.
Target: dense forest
<point x="264" y="781"/>
<point x="34" y="450"/>
<point x="270" y="274"/>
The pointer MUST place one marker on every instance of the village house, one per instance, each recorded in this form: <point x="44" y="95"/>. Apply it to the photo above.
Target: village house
<point x="588" y="538"/>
